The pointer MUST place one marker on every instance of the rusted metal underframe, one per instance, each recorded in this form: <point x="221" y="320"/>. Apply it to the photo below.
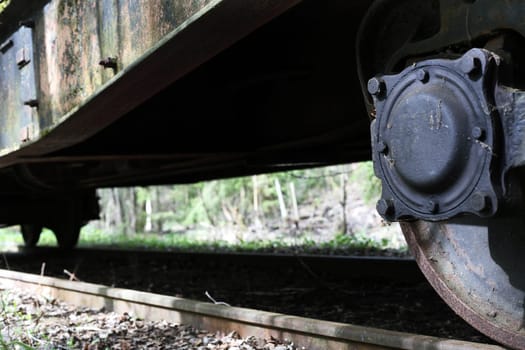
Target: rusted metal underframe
<point x="190" y="166"/>
<point x="169" y="165"/>
<point x="222" y="163"/>
<point x="190" y="45"/>
<point x="304" y="332"/>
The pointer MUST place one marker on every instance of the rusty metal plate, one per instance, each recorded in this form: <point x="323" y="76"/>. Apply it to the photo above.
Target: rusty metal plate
<point x="95" y="61"/>
<point x="18" y="89"/>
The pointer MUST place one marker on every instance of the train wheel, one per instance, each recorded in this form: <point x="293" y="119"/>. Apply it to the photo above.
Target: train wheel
<point x="67" y="233"/>
<point x="451" y="165"/>
<point x="31" y="234"/>
<point x="448" y="141"/>
<point x="476" y="266"/>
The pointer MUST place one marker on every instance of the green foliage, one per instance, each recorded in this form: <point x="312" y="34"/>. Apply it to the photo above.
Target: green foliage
<point x="220" y="203"/>
<point x="4" y="4"/>
<point x="364" y="175"/>
<point x="14" y="345"/>
<point x="169" y="241"/>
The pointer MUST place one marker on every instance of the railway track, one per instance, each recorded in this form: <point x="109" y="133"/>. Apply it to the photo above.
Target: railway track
<point x="378" y="292"/>
<point x="331" y="266"/>
<point x="303" y="332"/>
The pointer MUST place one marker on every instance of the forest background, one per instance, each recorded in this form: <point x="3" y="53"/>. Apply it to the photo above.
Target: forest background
<point x="313" y="205"/>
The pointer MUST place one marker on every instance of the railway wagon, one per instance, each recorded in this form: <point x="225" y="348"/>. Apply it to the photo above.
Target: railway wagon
<point x="99" y="93"/>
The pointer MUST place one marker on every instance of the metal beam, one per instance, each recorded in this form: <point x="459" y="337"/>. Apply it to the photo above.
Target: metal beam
<point x="97" y="61"/>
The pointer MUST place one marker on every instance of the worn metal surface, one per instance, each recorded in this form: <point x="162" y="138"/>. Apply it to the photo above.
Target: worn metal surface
<point x="18" y="89"/>
<point x="74" y="36"/>
<point x="303" y="332"/>
<point x="152" y="43"/>
<point x="476" y="267"/>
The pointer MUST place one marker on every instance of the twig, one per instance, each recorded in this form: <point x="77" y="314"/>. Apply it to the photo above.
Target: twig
<point x="42" y="269"/>
<point x="5" y="261"/>
<point x="215" y="301"/>
<point x="72" y="276"/>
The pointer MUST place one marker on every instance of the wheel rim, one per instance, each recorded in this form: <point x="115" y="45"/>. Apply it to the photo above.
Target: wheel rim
<point x="475" y="266"/>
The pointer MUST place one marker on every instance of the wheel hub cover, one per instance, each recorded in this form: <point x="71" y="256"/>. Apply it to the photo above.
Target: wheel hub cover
<point x="433" y="139"/>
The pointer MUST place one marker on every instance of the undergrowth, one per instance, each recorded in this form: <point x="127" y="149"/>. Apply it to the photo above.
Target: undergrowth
<point x="342" y="244"/>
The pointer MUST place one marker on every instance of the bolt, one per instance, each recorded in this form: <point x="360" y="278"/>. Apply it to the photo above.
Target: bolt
<point x="432" y="207"/>
<point x="21" y="58"/>
<point x="31" y="103"/>
<point x="480" y="201"/>
<point x="470" y="65"/>
<point x="422" y="75"/>
<point x="109" y="62"/>
<point x="6" y="46"/>
<point x="376" y="86"/>
<point x="385" y="208"/>
<point x="382" y="147"/>
<point x="478" y="133"/>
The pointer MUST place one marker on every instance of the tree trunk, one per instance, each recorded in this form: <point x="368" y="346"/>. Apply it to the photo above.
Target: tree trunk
<point x="295" y="215"/>
<point x="282" y="206"/>
<point x="122" y="210"/>
<point x="344" y="181"/>
<point x="256" y="214"/>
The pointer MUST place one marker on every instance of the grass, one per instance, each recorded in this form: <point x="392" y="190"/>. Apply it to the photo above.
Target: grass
<point x="358" y="243"/>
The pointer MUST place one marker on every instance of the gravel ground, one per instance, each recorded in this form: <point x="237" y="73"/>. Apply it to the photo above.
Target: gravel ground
<point x="45" y="323"/>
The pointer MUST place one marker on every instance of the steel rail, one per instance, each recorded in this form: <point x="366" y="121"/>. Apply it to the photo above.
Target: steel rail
<point x="401" y="269"/>
<point x="304" y="332"/>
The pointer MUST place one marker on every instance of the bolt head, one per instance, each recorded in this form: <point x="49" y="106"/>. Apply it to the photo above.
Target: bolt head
<point x="480" y="201"/>
<point x="422" y="75"/>
<point x="376" y="86"/>
<point x="478" y="133"/>
<point x="470" y="65"/>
